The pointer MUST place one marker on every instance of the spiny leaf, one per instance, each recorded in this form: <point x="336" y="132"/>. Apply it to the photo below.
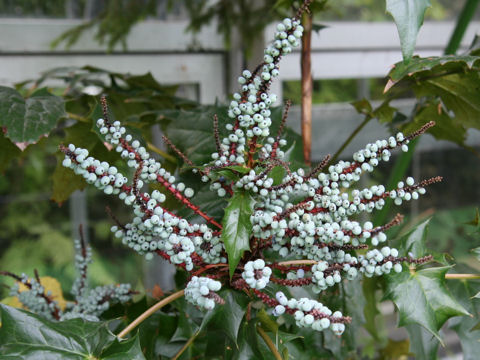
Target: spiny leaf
<point x="228" y="317"/>
<point x="237" y="227"/>
<point x="26" y="120"/>
<point x="28" y="336"/>
<point x="428" y="303"/>
<point x="446" y="127"/>
<point x="408" y="16"/>
<point x="413" y="242"/>
<point x="419" y="66"/>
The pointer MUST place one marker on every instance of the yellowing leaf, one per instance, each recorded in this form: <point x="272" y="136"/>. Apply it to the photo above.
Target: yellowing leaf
<point x="13" y="302"/>
<point x="50" y="284"/>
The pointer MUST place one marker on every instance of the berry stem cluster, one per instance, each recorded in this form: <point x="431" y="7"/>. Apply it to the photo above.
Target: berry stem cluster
<point x="307" y="220"/>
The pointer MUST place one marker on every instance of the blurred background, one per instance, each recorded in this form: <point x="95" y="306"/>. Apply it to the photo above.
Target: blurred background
<point x="195" y="50"/>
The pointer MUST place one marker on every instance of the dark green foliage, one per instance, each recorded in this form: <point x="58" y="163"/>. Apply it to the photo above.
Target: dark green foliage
<point x="72" y="339"/>
<point x="408" y="16"/>
<point x="112" y="24"/>
<point x="26" y="120"/>
<point x="237" y="227"/>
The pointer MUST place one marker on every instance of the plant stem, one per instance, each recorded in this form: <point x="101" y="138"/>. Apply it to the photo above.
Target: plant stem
<point x="462" y="23"/>
<point x="162" y="153"/>
<point x="150" y="312"/>
<point x="307" y="85"/>
<point x="76" y="117"/>
<point x="396" y="174"/>
<point x="187" y="344"/>
<point x="350" y="138"/>
<point x="462" y="276"/>
<point x="269" y="343"/>
<point x="297" y="262"/>
<point x="447" y="276"/>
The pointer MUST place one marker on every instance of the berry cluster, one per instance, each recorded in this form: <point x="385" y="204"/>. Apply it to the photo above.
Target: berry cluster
<point x="256" y="274"/>
<point x="89" y="304"/>
<point x="200" y="291"/>
<point x="308" y="219"/>
<point x="35" y="297"/>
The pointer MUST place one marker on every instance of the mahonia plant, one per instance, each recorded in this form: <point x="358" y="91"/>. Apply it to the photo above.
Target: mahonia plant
<point x="307" y="219"/>
<point x="88" y="303"/>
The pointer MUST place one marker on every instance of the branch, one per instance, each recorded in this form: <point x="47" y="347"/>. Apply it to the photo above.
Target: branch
<point x="185" y="347"/>
<point x="462" y="276"/>
<point x="150" y="312"/>
<point x="269" y="343"/>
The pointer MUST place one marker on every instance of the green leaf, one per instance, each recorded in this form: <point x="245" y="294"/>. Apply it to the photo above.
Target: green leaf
<point x="422" y="298"/>
<point x="466" y="327"/>
<point x="237" y="227"/>
<point x="476" y="252"/>
<point x="370" y="310"/>
<point x="446" y="127"/>
<point x="408" y="16"/>
<point x="384" y="113"/>
<point x="448" y="89"/>
<point x="8" y="151"/>
<point x="26" y="120"/>
<point x="413" y="242"/>
<point x="229" y="316"/>
<point x="28" y="336"/>
<point x="363" y="106"/>
<point x="395" y="349"/>
<point x="191" y="130"/>
<point x="267" y="322"/>
<point x="65" y="181"/>
<point x="419" y="68"/>
<point x="422" y="343"/>
<point x="248" y="343"/>
<point x="125" y="349"/>
<point x="459" y="93"/>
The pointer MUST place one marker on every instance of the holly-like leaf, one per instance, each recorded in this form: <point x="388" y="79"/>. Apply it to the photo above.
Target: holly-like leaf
<point x="237" y="227"/>
<point x="27" y="336"/>
<point x="408" y="16"/>
<point x="422" y="298"/>
<point x="446" y="127"/>
<point x="413" y="242"/>
<point x="419" y="68"/>
<point x="191" y="130"/>
<point x="26" y="120"/>
<point x="422" y="343"/>
<point x="125" y="349"/>
<point x="228" y="317"/>
<point x="448" y="87"/>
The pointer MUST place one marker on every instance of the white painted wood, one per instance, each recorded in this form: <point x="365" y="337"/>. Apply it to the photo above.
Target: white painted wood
<point x="207" y="70"/>
<point x="345" y="64"/>
<point x="343" y="50"/>
<point x="347" y="35"/>
<point x="36" y="35"/>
